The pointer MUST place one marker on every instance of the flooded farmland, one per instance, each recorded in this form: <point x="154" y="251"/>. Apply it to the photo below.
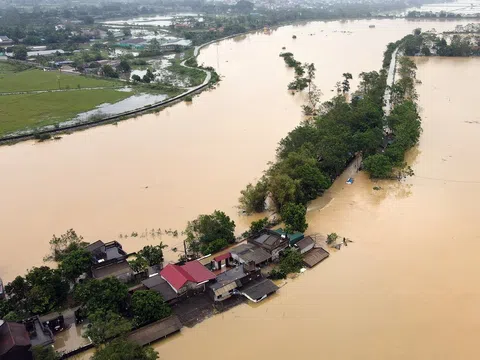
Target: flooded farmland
<point x="404" y="288"/>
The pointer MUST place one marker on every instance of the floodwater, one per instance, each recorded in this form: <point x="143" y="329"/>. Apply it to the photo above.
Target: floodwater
<point x="162" y="170"/>
<point x="404" y="288"/>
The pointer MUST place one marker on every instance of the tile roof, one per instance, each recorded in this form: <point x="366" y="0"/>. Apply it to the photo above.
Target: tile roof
<point x="12" y="334"/>
<point x="178" y="276"/>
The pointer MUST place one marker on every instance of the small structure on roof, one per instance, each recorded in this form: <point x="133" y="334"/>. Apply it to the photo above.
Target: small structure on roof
<point x="109" y="259"/>
<point x="38" y="333"/>
<point x="105" y="252"/>
<point x="292" y="238"/>
<point x="155" y="331"/>
<point x="14" y="341"/>
<point x="304" y="245"/>
<point x="160" y="285"/>
<point x="246" y="253"/>
<point x="271" y="241"/>
<point x="191" y="276"/>
<point x="120" y="269"/>
<point x="217" y="261"/>
<point x="226" y="283"/>
<point x="259" y="289"/>
<point x="315" y="256"/>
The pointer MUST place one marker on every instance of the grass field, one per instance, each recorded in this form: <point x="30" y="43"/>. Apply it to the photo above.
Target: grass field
<point x="19" y="112"/>
<point x="12" y="80"/>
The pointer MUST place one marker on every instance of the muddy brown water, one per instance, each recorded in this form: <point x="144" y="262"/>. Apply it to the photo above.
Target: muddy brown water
<point x="404" y="288"/>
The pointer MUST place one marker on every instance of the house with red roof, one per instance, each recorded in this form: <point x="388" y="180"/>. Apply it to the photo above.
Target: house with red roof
<point x="191" y="276"/>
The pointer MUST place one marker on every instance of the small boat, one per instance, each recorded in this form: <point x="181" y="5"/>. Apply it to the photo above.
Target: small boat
<point x="350" y="181"/>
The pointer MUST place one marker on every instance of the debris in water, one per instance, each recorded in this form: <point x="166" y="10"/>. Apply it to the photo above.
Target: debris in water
<point x="350" y="181"/>
<point x="377" y="188"/>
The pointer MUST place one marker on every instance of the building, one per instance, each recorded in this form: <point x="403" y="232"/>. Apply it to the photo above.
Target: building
<point x="315" y="256"/>
<point x="160" y="285"/>
<point x="304" y="245"/>
<point x="177" y="45"/>
<point x="155" y="331"/>
<point x="120" y="269"/>
<point x="222" y="260"/>
<point x="226" y="283"/>
<point x="292" y="238"/>
<point x="271" y="241"/>
<point x="246" y="253"/>
<point x="189" y="277"/>
<point x="109" y="259"/>
<point x="106" y="252"/>
<point x="136" y="43"/>
<point x="5" y="41"/>
<point x="14" y="342"/>
<point x="259" y="289"/>
<point x="38" y="333"/>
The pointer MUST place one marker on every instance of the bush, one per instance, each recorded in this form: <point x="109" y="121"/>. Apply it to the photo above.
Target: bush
<point x="291" y="261"/>
<point x="188" y="98"/>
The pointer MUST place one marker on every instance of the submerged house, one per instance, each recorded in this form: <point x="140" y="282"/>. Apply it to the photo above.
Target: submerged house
<point x="226" y="283"/>
<point x="271" y="241"/>
<point x="246" y="253"/>
<point x="189" y="277"/>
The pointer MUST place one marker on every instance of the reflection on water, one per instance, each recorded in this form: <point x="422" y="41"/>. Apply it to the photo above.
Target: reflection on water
<point x="128" y="104"/>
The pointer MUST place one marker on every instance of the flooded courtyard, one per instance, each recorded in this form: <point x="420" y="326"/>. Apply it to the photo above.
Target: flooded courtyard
<point x="403" y="289"/>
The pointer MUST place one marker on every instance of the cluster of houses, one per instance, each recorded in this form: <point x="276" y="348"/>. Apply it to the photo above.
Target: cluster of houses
<point x="233" y="275"/>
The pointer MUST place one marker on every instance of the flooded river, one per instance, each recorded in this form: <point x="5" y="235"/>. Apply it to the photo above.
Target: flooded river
<point x="404" y="288"/>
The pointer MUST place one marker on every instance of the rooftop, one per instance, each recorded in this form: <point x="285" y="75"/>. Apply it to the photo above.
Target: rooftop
<point x="155" y="331"/>
<point x="97" y="245"/>
<point x="192" y="271"/>
<point x="116" y="269"/>
<point x="228" y="277"/>
<point x="259" y="289"/>
<point x="305" y="242"/>
<point x="158" y="284"/>
<point x="250" y="252"/>
<point x="315" y="256"/>
<point x="12" y="334"/>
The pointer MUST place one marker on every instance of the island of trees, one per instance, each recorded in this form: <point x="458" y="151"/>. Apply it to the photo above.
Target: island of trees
<point x="316" y="152"/>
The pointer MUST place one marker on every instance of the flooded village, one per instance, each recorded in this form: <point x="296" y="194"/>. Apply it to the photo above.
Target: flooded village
<point x="387" y="296"/>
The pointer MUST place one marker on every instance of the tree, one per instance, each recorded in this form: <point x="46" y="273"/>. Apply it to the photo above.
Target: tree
<point x="209" y="228"/>
<point x="254" y="196"/>
<point x="139" y="264"/>
<point x="61" y="246"/>
<point x="378" y="166"/>
<point x="42" y="290"/>
<point x="310" y="74"/>
<point x="148" y="306"/>
<point x="291" y="261"/>
<point x="44" y="353"/>
<point x="127" y="31"/>
<point x="124" y="66"/>
<point x="107" y="294"/>
<point x="153" y="254"/>
<point x="257" y="226"/>
<point x="346" y="82"/>
<point x="108" y="71"/>
<point x="294" y="217"/>
<point x="75" y="263"/>
<point x="426" y="51"/>
<point x="20" y="52"/>
<point x="136" y="78"/>
<point x="283" y="189"/>
<point x="121" y="349"/>
<point x="106" y="326"/>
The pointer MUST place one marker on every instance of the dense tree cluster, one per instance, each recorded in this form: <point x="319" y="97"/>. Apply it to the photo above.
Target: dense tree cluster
<point x="210" y="233"/>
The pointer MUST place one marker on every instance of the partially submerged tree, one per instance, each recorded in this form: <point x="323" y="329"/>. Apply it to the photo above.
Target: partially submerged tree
<point x="75" y="263"/>
<point x="291" y="261"/>
<point x="153" y="254"/>
<point x="254" y="196"/>
<point x="64" y="244"/>
<point x="207" y="229"/>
